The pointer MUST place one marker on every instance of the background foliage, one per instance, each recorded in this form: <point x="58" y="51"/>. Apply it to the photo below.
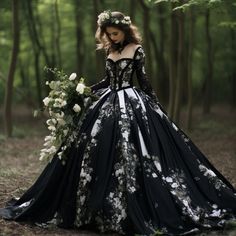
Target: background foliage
<point x="185" y="41"/>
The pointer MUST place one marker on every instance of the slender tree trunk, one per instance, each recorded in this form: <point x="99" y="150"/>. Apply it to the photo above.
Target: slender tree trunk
<point x="36" y="45"/>
<point x="26" y="91"/>
<point x="132" y="10"/>
<point x="98" y="54"/>
<point x="146" y="28"/>
<point x="162" y="70"/>
<point x="53" y="38"/>
<point x="40" y="39"/>
<point x="172" y="60"/>
<point x="180" y="68"/>
<point x="157" y="55"/>
<point x="190" y="59"/>
<point x="37" y="76"/>
<point x="41" y="44"/>
<point x="79" y="37"/>
<point x="10" y="79"/>
<point x="57" y="34"/>
<point x="233" y="76"/>
<point x="209" y="75"/>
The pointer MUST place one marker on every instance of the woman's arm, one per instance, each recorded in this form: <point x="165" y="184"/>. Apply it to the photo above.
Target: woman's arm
<point x="143" y="81"/>
<point x="101" y="84"/>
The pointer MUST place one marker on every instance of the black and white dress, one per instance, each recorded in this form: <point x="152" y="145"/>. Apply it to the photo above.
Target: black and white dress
<point x="129" y="168"/>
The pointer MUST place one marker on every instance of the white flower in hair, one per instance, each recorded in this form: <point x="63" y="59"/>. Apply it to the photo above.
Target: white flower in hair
<point x="127" y="20"/>
<point x="102" y="17"/>
<point x="106" y="16"/>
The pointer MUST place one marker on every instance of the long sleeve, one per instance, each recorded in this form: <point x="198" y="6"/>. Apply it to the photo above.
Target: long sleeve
<point x="143" y="81"/>
<point x="101" y="84"/>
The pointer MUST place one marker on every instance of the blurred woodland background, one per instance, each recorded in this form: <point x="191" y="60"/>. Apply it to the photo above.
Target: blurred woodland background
<point x="190" y="50"/>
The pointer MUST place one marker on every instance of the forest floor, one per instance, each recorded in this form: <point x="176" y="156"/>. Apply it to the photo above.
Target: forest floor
<point x="214" y="134"/>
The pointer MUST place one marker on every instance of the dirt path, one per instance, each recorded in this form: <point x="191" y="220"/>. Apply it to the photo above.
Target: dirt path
<point x="19" y="164"/>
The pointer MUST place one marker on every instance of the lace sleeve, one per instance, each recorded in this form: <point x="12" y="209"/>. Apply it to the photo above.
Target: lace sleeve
<point x="143" y="81"/>
<point x="101" y="84"/>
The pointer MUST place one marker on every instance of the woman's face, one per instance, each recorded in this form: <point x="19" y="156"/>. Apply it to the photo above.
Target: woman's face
<point x="116" y="35"/>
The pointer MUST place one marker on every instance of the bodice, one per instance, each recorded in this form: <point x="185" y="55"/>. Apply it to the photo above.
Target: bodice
<point x="120" y="72"/>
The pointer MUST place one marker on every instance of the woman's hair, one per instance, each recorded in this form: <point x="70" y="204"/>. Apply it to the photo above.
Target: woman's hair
<point x="120" y="21"/>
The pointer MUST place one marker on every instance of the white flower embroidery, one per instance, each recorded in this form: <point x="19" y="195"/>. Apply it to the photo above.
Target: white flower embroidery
<point x="174" y="185"/>
<point x="154" y="175"/>
<point x="169" y="179"/>
<point x="216" y="213"/>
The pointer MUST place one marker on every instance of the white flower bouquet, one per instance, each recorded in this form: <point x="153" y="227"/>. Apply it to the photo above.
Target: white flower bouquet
<point x="65" y="103"/>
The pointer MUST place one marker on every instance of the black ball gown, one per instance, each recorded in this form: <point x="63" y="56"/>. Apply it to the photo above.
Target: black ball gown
<point x="129" y="169"/>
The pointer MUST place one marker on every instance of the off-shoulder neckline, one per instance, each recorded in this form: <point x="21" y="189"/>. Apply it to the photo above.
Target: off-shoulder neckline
<point x="125" y="58"/>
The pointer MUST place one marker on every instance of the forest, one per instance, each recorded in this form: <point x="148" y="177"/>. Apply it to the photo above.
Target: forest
<point x="190" y="48"/>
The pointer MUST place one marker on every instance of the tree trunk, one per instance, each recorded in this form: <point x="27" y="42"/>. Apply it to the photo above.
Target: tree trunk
<point x="57" y="34"/>
<point x="158" y="59"/>
<point x="190" y="59"/>
<point x="36" y="45"/>
<point x="53" y="39"/>
<point x="132" y="10"/>
<point x="180" y="67"/>
<point x="10" y="79"/>
<point x="41" y="44"/>
<point x="26" y="92"/>
<point x="146" y="29"/>
<point x="98" y="54"/>
<point x="209" y="75"/>
<point x="233" y="77"/>
<point x="39" y="40"/>
<point x="172" y="60"/>
<point x="79" y="37"/>
<point x="162" y="74"/>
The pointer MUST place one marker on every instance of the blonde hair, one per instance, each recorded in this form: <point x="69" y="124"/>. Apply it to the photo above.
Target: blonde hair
<point x="131" y="32"/>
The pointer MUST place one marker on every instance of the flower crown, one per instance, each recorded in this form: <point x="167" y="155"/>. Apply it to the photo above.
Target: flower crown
<point x="106" y="16"/>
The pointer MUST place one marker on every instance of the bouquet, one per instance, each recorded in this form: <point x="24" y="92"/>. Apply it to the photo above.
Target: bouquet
<point x="65" y="103"/>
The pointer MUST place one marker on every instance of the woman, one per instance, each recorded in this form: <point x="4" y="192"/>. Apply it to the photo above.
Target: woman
<point x="130" y="170"/>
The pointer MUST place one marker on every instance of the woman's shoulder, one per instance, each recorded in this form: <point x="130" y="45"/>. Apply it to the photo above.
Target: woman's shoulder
<point x="134" y="46"/>
<point x="134" y="49"/>
<point x="137" y="51"/>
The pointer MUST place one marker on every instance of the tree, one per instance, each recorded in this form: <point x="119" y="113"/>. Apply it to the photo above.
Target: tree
<point x="79" y="37"/>
<point x="146" y="29"/>
<point x="180" y="66"/>
<point x="57" y="33"/>
<point x="233" y="73"/>
<point x="190" y="59"/>
<point x="36" y="46"/>
<point x="209" y="75"/>
<point x="12" y="68"/>
<point x="172" y="59"/>
<point x="98" y="55"/>
<point x="162" y="70"/>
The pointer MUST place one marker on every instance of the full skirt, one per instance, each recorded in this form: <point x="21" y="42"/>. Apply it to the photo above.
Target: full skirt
<point x="129" y="169"/>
